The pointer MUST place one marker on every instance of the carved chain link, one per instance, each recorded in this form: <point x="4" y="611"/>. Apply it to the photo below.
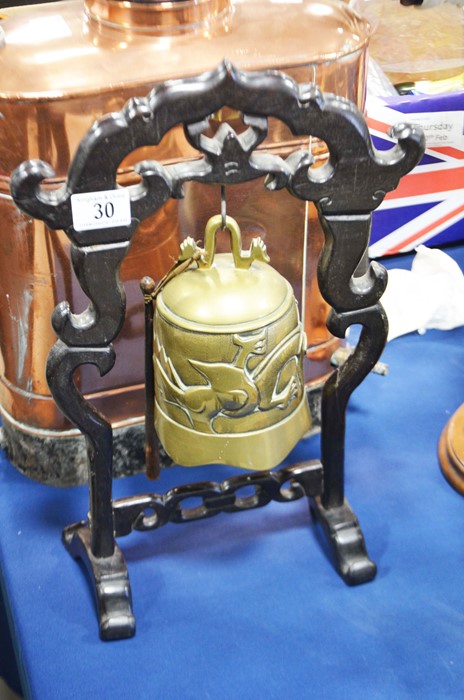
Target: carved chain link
<point x="151" y="511"/>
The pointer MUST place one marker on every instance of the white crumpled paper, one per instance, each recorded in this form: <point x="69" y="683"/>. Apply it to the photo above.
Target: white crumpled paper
<point x="430" y="295"/>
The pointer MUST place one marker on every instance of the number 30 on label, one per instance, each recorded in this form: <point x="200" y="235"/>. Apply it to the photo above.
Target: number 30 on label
<point x="97" y="210"/>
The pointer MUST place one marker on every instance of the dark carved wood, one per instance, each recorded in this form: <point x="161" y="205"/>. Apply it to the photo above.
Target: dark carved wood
<point x="111" y="582"/>
<point x="346" y="189"/>
<point x="151" y="511"/>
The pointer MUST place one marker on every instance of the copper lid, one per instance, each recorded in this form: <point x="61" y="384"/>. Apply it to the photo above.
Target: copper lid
<point x="157" y="17"/>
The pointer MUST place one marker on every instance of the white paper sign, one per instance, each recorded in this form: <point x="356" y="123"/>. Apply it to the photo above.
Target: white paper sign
<point x="96" y="210"/>
<point x="440" y="128"/>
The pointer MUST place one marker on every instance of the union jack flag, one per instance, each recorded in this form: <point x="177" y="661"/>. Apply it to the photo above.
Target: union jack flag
<point x="428" y="205"/>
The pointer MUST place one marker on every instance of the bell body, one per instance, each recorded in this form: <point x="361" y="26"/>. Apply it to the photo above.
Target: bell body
<point x="228" y="357"/>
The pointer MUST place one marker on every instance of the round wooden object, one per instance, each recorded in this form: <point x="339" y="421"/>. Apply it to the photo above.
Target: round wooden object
<point x="451" y="450"/>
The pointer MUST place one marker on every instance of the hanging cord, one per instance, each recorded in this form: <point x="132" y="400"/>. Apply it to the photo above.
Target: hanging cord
<point x="306" y="230"/>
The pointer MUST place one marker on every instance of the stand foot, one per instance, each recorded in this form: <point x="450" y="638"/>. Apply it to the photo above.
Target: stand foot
<point x="346" y="542"/>
<point x="111" y="583"/>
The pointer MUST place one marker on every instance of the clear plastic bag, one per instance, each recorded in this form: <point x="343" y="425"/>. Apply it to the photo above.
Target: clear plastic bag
<point x="416" y="43"/>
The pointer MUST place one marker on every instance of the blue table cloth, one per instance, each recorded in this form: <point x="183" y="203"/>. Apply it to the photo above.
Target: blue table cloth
<point x="248" y="605"/>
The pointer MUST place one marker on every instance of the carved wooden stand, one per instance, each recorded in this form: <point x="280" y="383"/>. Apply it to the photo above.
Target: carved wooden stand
<point x="346" y="190"/>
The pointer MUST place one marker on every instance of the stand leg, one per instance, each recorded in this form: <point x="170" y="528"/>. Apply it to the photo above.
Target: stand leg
<point x="346" y="541"/>
<point x="111" y="583"/>
<point x="95" y="545"/>
<point x="353" y="293"/>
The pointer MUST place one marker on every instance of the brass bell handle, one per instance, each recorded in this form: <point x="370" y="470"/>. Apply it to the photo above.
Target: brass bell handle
<point x="242" y="258"/>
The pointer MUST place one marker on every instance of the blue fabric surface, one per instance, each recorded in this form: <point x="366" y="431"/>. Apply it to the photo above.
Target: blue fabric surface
<point x="247" y="605"/>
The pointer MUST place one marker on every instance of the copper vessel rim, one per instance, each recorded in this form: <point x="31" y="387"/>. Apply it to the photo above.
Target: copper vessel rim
<point x="59" y="95"/>
<point x="69" y="433"/>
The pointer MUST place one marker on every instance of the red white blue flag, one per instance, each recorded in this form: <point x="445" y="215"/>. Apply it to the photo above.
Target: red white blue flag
<point x="428" y="205"/>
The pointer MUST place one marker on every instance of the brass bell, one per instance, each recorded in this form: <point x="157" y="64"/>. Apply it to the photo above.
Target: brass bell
<point x="228" y="352"/>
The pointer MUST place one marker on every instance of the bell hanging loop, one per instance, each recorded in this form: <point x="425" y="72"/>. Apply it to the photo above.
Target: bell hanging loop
<point x="242" y="259"/>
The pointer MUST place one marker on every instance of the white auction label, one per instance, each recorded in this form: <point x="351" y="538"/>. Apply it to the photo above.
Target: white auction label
<point x="95" y="210"/>
<point x="440" y="128"/>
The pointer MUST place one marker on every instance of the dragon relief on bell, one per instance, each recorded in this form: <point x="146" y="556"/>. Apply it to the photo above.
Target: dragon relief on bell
<point x="228" y="351"/>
